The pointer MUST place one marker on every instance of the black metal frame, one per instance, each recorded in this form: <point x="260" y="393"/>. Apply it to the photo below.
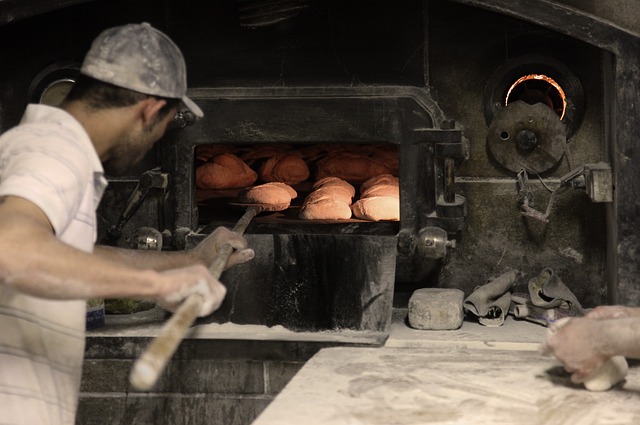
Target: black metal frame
<point x="404" y="116"/>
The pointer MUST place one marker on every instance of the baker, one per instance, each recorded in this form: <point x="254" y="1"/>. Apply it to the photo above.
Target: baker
<point x="52" y="168"/>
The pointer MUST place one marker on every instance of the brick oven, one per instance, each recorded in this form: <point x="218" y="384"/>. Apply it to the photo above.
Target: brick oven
<point x="513" y="124"/>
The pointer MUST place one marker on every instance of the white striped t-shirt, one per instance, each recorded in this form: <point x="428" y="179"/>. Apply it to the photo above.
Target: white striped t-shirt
<point x="49" y="160"/>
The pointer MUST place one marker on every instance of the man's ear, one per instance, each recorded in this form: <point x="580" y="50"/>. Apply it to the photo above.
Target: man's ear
<point x="150" y="108"/>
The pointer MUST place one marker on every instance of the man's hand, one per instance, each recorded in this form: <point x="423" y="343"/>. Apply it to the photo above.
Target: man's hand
<point x="183" y="282"/>
<point x="207" y="249"/>
<point x="179" y="284"/>
<point x="579" y="345"/>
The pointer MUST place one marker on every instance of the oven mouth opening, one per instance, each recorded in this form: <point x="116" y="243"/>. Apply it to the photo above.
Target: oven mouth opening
<point x="538" y="88"/>
<point x="219" y="205"/>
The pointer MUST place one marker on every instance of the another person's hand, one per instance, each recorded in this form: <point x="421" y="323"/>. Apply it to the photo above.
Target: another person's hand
<point x="579" y="345"/>
<point x="613" y="312"/>
<point x="206" y="250"/>
<point x="179" y="284"/>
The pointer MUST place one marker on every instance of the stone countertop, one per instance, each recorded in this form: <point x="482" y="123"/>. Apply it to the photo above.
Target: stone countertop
<point x="475" y="375"/>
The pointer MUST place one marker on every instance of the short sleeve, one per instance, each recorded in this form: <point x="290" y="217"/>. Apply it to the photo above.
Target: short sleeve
<point x="49" y="172"/>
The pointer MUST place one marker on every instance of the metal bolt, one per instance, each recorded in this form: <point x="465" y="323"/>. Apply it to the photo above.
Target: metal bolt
<point x="526" y="140"/>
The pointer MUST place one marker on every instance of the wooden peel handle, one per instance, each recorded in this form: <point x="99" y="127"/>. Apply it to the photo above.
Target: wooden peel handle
<point x="147" y="369"/>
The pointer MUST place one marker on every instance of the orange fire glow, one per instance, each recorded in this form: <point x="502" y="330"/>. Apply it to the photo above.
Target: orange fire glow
<point x="544" y="78"/>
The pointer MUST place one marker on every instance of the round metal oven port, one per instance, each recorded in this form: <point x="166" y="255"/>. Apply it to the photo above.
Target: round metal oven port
<point x="53" y="83"/>
<point x="536" y="79"/>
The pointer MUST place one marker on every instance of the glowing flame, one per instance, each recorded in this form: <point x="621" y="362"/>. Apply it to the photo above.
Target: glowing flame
<point x="544" y="78"/>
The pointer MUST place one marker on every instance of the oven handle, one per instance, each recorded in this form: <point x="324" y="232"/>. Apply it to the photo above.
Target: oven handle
<point x="147" y="369"/>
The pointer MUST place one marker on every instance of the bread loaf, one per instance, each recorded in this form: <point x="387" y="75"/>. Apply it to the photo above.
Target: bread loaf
<point x="379" y="199"/>
<point x="268" y="194"/>
<point x="336" y="193"/>
<point x="377" y="208"/>
<point x="335" y="181"/>
<point x="225" y="171"/>
<point x="351" y="167"/>
<point x="330" y="199"/>
<point x="381" y="190"/>
<point x="378" y="180"/>
<point x="285" y="168"/>
<point x="325" y="208"/>
<point x="291" y="191"/>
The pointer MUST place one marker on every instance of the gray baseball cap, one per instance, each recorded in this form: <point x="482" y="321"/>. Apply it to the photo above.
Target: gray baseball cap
<point x="139" y="57"/>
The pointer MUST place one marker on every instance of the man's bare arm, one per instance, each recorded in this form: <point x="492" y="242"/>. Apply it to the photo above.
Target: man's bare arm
<point x="34" y="261"/>
<point x="203" y="254"/>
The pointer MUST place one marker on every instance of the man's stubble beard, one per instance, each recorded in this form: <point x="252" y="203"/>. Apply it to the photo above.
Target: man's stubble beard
<point x="130" y="151"/>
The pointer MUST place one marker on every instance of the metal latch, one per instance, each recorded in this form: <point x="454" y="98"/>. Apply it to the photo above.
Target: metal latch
<point x="151" y="179"/>
<point x="595" y="179"/>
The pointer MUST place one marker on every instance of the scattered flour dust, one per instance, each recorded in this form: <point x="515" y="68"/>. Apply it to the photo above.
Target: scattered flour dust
<point x="229" y="327"/>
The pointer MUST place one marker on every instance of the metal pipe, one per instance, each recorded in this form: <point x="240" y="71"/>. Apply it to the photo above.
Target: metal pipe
<point x="449" y="193"/>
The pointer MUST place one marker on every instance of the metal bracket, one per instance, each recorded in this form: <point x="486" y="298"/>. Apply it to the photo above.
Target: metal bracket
<point x="596" y="179"/>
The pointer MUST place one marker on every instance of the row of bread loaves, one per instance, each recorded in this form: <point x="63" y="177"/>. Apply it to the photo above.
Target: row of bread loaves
<point x="223" y="169"/>
<point x="228" y="171"/>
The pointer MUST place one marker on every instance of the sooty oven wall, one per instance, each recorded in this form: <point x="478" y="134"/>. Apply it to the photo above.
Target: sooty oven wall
<point x="468" y="53"/>
<point x="452" y="49"/>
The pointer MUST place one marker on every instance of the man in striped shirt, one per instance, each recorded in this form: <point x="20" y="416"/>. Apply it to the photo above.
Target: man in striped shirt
<point x="51" y="181"/>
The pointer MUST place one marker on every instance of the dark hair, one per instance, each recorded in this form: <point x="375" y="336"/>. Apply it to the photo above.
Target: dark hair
<point x="100" y="95"/>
